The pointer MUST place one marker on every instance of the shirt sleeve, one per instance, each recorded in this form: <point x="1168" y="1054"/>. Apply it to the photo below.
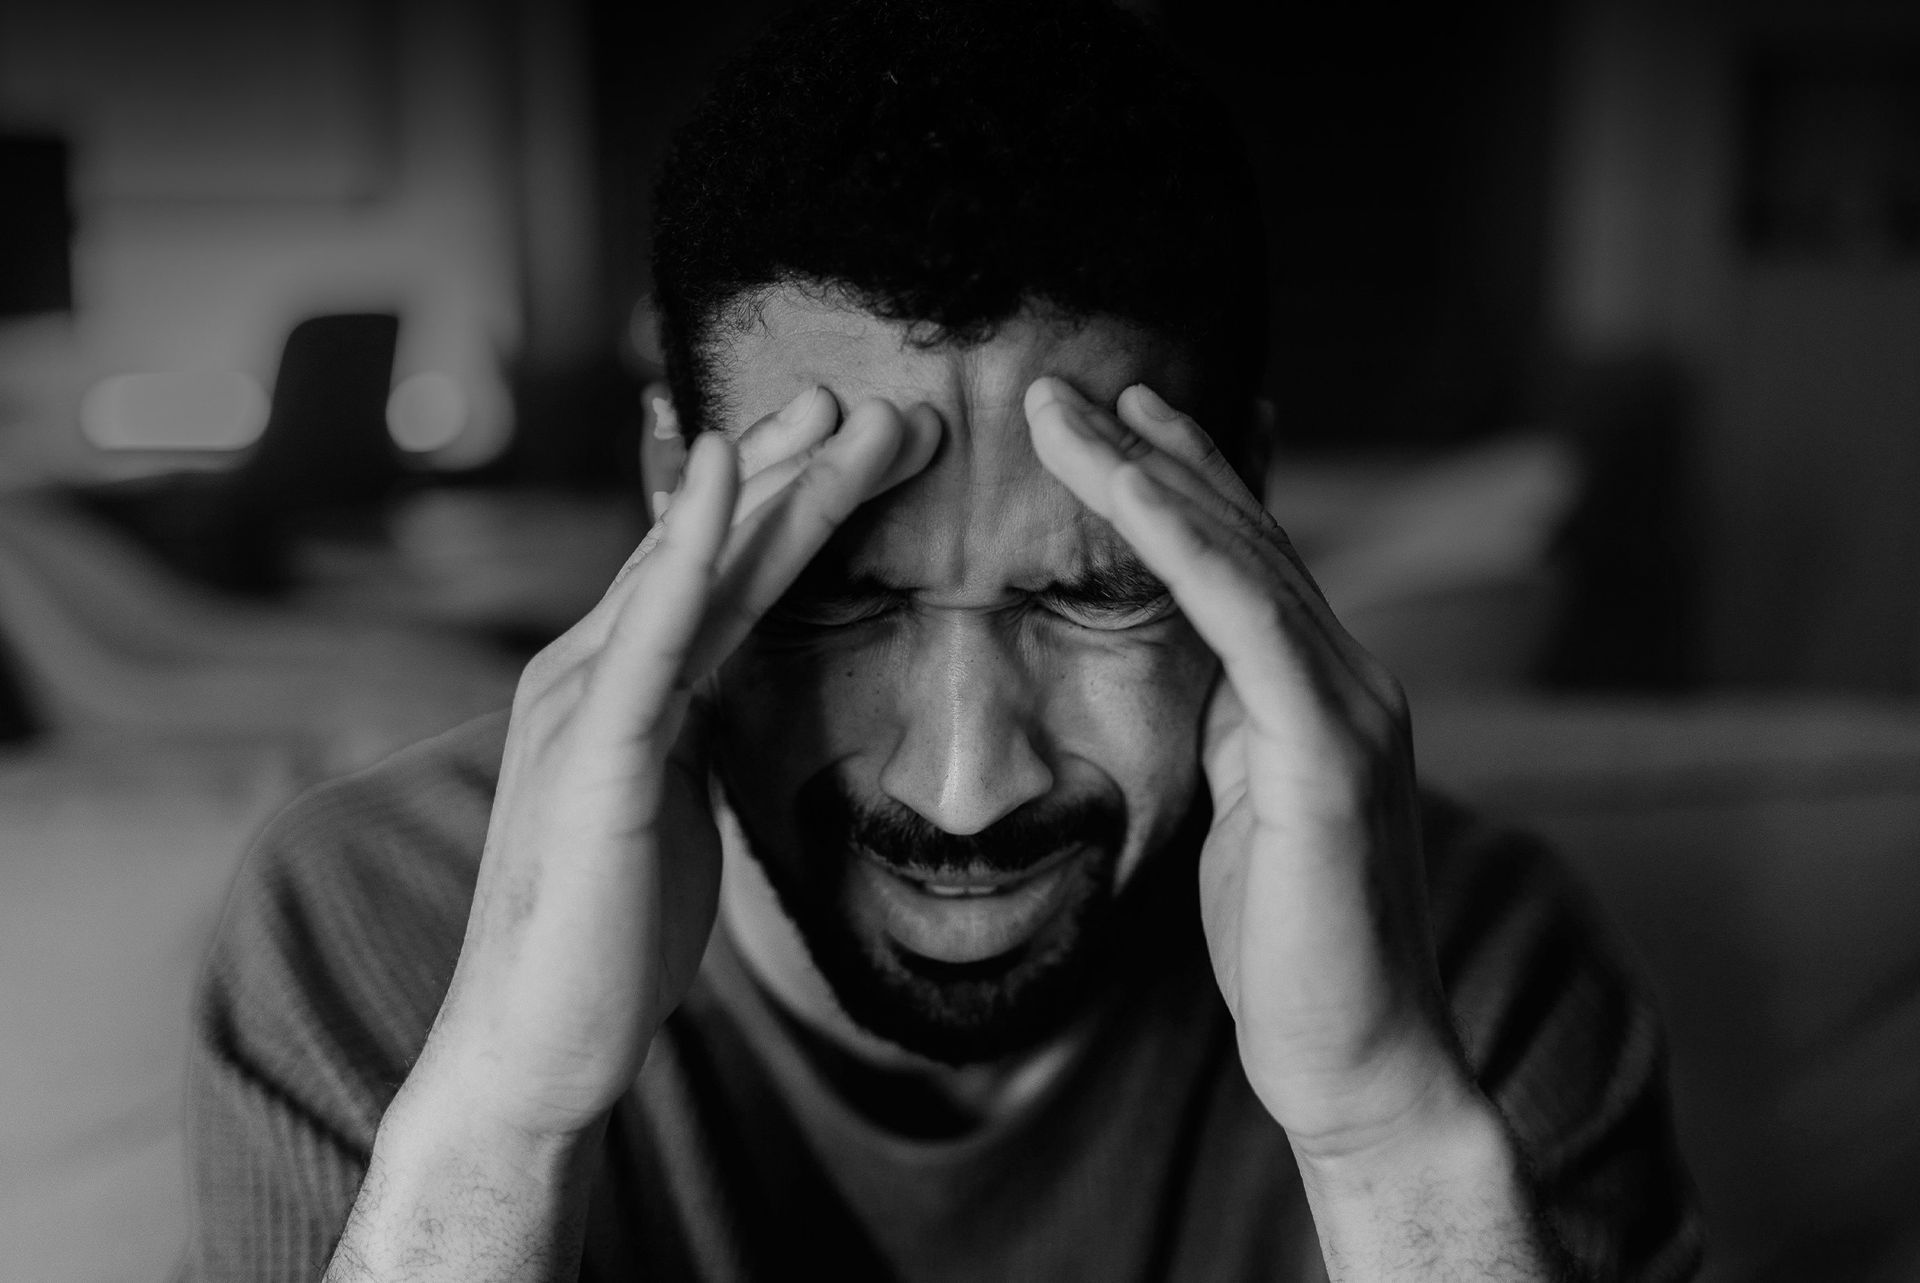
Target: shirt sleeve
<point x="1566" y="1042"/>
<point x="332" y="957"/>
<point x="272" y="1183"/>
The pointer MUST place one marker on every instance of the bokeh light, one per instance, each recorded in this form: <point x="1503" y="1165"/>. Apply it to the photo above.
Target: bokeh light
<point x="428" y="411"/>
<point x="174" y="410"/>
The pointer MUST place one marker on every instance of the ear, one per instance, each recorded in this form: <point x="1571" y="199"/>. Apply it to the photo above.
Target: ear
<point x="663" y="450"/>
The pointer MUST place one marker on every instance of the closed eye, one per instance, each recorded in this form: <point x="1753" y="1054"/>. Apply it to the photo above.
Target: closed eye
<point x="801" y="611"/>
<point x="1112" y="597"/>
<point x="1111" y="616"/>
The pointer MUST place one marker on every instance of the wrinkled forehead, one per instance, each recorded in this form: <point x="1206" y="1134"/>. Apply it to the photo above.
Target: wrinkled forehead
<point x="985" y="514"/>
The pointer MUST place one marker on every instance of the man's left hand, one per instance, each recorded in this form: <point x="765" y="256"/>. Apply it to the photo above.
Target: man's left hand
<point x="1312" y="894"/>
<point x="1312" y="887"/>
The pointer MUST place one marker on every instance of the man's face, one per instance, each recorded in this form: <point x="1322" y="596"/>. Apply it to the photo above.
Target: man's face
<point x="960" y="738"/>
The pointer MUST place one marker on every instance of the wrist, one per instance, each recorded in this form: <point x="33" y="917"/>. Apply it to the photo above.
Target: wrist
<point x="469" y="1095"/>
<point x="460" y="1194"/>
<point x="1337" y="1114"/>
<point x="434" y="1127"/>
<point x="475" y="1078"/>
<point x="1446" y="1193"/>
<point x="1451" y="1135"/>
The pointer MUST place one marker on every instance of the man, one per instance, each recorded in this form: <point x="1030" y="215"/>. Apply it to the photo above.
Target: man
<point x="962" y="844"/>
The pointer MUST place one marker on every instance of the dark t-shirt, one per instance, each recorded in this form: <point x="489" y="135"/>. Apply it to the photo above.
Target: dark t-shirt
<point x="749" y="1150"/>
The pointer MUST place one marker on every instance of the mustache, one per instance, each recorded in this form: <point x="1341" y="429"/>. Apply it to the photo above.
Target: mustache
<point x="833" y="821"/>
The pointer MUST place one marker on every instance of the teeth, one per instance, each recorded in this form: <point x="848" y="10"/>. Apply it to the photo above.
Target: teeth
<point x="947" y="891"/>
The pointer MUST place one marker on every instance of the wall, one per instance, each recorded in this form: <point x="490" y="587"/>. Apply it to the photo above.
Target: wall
<point x="239" y="166"/>
<point x="1804" y="456"/>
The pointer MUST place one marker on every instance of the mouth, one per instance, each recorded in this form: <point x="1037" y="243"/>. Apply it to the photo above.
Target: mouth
<point x="965" y="916"/>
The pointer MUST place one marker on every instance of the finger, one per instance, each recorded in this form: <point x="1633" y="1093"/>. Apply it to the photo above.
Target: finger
<point x="763" y="485"/>
<point x="1225" y="597"/>
<point x="877" y="448"/>
<point x="1071" y="447"/>
<point x="1072" y="435"/>
<point x="1147" y="413"/>
<point x="1084" y="446"/>
<point x="643" y="661"/>
<point x="801" y="424"/>
<point x="1144" y="410"/>
<point x="786" y="434"/>
<point x="1239" y="585"/>
<point x="1280" y="647"/>
<point x="790" y="431"/>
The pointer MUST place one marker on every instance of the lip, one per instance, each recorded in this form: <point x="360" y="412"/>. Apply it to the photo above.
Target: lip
<point x="947" y="883"/>
<point x="969" y="918"/>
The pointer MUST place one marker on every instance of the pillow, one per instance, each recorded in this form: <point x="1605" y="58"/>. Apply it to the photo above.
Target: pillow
<point x="1439" y="565"/>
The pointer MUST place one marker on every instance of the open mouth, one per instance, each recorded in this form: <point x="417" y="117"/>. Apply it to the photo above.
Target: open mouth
<point x="965" y="916"/>
<point x="952" y="884"/>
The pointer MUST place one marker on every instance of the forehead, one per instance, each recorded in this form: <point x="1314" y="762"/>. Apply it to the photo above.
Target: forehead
<point x="985" y="514"/>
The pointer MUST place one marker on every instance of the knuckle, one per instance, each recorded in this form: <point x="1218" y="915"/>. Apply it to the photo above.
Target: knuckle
<point x="874" y="405"/>
<point x="1195" y="441"/>
<point x="546" y="667"/>
<point x="563" y="692"/>
<point x="1131" y="445"/>
<point x="1272" y="616"/>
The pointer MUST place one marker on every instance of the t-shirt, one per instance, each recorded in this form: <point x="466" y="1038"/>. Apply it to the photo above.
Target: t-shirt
<point x="750" y="1149"/>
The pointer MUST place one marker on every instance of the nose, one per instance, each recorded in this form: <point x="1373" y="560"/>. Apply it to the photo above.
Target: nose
<point x="967" y="752"/>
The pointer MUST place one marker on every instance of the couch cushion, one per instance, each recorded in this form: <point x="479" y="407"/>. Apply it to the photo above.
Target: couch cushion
<point x="114" y="859"/>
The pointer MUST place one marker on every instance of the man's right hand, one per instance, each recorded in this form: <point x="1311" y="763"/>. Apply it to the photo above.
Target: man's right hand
<point x="597" y="889"/>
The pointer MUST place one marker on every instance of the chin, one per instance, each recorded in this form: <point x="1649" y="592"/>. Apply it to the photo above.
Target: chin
<point x="971" y="951"/>
<point x="1101" y="946"/>
<point x="976" y="1011"/>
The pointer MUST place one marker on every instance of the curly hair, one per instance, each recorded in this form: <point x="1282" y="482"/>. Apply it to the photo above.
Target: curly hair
<point x="950" y="163"/>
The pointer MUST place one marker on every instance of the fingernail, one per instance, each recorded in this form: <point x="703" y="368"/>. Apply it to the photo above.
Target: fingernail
<point x="660" y="501"/>
<point x="1154" y="404"/>
<point x="797" y="410"/>
<point x="666" y="422"/>
<point x="923" y="422"/>
<point x="1065" y="391"/>
<point x="1072" y="407"/>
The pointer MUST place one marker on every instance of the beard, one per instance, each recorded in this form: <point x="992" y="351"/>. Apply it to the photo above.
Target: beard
<point x="962" y="1013"/>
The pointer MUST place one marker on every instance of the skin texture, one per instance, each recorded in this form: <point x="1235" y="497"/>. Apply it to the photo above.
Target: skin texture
<point x="968" y="479"/>
<point x="972" y="696"/>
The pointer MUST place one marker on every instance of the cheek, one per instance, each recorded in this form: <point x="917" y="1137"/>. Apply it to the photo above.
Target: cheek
<point x="1133" y="708"/>
<point x="1127" y="707"/>
<point x="786" y="714"/>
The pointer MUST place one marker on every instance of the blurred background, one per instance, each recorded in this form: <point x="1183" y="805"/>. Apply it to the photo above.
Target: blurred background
<point x="1597" y="354"/>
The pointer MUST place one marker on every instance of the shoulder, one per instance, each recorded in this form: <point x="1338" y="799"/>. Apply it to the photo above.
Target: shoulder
<point x="344" y="922"/>
<point x="1563" y="1036"/>
<point x="1539" y="987"/>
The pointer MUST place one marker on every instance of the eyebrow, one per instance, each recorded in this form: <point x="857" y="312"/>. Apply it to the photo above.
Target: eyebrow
<point x="1121" y="581"/>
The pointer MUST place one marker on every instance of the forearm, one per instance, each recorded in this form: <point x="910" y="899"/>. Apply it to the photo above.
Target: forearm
<point x="448" y="1196"/>
<point x="1446" y="1200"/>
